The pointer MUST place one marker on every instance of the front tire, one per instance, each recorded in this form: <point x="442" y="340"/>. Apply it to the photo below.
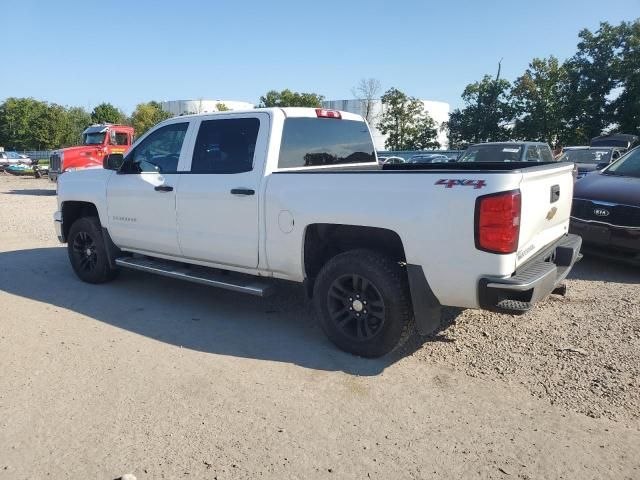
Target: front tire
<point x="87" y="251"/>
<point x="363" y="304"/>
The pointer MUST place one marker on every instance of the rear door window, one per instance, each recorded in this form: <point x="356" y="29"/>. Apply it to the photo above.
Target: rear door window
<point x="225" y="146"/>
<point x="312" y="142"/>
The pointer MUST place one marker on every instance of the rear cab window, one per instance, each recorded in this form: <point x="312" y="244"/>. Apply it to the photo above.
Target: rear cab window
<point x="316" y="142"/>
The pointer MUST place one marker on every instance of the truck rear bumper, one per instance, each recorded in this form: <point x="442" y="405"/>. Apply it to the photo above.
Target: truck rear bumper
<point x="533" y="281"/>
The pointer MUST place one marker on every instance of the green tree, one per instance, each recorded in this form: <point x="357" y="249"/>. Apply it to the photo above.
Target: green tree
<point x="367" y="92"/>
<point x="287" y="98"/>
<point x="146" y="115"/>
<point x="406" y="123"/>
<point x="27" y="123"/>
<point x="626" y="106"/>
<point x="591" y="79"/>
<point x="107" y="113"/>
<point x="77" y="119"/>
<point x="485" y="115"/>
<point x="221" y="107"/>
<point x="538" y="101"/>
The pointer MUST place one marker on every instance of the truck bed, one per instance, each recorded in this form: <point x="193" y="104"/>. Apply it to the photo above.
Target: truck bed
<point x="484" y="167"/>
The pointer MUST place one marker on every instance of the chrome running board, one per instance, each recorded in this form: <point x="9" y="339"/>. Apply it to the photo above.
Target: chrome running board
<point x="194" y="273"/>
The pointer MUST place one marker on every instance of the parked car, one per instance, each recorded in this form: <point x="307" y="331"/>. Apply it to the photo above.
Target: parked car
<point x="507" y="152"/>
<point x="12" y="158"/>
<point x="394" y="161"/>
<point x="621" y="140"/>
<point x="606" y="210"/>
<point x="429" y="158"/>
<point x="254" y="208"/>
<point x="590" y="159"/>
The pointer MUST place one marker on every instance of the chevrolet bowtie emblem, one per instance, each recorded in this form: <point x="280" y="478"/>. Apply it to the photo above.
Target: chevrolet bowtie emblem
<point x="552" y="213"/>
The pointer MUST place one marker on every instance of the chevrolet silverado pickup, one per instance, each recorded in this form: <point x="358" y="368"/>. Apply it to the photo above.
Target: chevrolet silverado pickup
<point x="235" y="199"/>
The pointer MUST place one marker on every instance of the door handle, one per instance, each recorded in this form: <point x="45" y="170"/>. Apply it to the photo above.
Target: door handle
<point x="242" y="191"/>
<point x="163" y="188"/>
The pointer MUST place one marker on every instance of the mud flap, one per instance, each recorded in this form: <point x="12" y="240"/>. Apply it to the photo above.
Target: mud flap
<point x="113" y="251"/>
<point x="426" y="307"/>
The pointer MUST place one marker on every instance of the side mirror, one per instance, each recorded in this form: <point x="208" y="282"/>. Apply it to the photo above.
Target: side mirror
<point x="113" y="161"/>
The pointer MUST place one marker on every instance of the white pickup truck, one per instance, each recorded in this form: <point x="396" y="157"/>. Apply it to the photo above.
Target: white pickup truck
<point x="234" y="199"/>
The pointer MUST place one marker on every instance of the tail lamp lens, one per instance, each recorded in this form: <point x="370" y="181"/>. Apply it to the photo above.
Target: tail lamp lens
<point x="324" y="113"/>
<point x="498" y="222"/>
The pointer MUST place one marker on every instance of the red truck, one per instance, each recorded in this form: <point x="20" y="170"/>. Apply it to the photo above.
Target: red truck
<point x="97" y="142"/>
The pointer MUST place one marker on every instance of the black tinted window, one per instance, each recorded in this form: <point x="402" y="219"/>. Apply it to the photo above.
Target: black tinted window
<point x="225" y="146"/>
<point x="322" y="141"/>
<point x="160" y="151"/>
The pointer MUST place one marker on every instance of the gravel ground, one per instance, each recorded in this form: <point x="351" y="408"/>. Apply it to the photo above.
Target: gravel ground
<point x="581" y="351"/>
<point x="98" y="381"/>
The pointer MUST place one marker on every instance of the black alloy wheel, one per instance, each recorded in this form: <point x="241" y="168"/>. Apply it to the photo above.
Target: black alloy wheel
<point x="356" y="307"/>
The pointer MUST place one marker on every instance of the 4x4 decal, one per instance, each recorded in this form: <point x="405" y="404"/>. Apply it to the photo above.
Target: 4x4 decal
<point x="450" y="183"/>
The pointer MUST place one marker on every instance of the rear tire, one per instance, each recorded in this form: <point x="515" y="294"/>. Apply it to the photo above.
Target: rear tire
<point x="87" y="251"/>
<point x="363" y="304"/>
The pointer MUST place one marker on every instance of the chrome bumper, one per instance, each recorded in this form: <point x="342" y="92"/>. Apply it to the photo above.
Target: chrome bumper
<point x="533" y="281"/>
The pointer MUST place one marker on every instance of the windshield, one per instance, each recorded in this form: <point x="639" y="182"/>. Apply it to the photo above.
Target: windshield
<point x="491" y="153"/>
<point x="586" y="156"/>
<point x="94" y="138"/>
<point x="627" y="166"/>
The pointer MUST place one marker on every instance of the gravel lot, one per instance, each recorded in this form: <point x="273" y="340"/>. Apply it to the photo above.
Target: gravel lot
<point x="167" y="380"/>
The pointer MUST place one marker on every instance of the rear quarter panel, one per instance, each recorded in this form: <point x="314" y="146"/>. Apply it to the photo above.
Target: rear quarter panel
<point x="435" y="223"/>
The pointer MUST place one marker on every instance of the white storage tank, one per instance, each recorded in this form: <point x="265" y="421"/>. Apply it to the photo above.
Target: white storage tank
<point x="188" y="107"/>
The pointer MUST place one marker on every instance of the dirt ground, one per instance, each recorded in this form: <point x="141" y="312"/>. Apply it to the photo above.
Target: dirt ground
<point x="162" y="379"/>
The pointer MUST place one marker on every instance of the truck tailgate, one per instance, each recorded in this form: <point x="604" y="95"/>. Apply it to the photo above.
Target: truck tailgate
<point x="547" y="193"/>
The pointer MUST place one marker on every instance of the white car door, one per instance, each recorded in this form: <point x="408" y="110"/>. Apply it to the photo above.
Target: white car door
<point x="141" y="196"/>
<point x="218" y="197"/>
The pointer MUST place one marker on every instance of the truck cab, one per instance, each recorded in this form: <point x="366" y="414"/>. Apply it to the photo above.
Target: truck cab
<point x="98" y="141"/>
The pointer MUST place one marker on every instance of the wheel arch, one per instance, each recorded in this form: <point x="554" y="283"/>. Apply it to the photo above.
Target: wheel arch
<point x="72" y="210"/>
<point x="323" y="241"/>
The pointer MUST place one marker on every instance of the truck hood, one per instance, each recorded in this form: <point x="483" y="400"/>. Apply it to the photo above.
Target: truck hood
<point x="76" y="157"/>
<point x="609" y="188"/>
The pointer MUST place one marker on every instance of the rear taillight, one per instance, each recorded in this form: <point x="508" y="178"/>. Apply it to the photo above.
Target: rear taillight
<point x="323" y="113"/>
<point x="498" y="222"/>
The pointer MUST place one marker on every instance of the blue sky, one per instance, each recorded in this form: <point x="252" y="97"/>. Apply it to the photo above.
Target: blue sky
<point x="126" y="52"/>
